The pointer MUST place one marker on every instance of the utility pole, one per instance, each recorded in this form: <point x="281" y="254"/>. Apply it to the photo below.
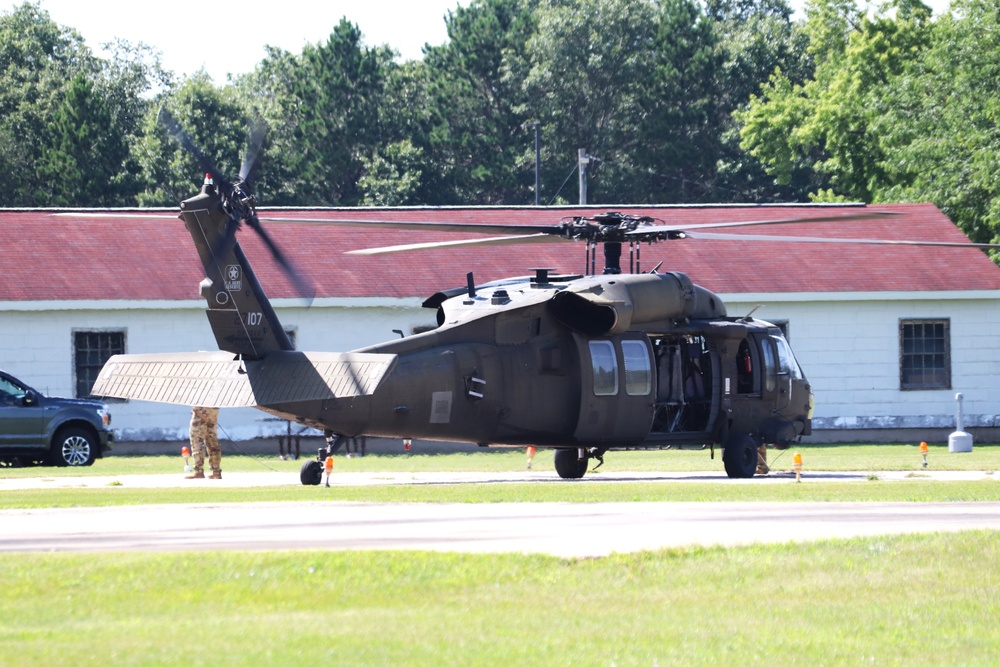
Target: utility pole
<point x="538" y="163"/>
<point x="582" y="161"/>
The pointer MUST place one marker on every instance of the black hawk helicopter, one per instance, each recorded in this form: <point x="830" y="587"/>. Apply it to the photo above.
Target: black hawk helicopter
<point x="583" y="364"/>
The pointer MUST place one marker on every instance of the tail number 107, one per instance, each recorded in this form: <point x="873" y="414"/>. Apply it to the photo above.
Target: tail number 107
<point x="255" y="319"/>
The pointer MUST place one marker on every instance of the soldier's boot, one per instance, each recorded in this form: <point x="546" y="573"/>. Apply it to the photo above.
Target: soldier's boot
<point x="196" y="475"/>
<point x="216" y="474"/>
<point x="762" y="467"/>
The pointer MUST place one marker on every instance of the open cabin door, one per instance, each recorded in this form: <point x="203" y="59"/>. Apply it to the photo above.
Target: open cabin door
<point x="617" y="389"/>
<point x="687" y="378"/>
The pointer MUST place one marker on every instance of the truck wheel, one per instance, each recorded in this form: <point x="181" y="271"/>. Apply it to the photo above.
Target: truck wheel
<point x="569" y="465"/>
<point x="311" y="473"/>
<point x="74" y="447"/>
<point x="739" y="456"/>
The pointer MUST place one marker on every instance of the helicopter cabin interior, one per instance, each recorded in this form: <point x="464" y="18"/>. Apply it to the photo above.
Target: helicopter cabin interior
<point x="686" y="373"/>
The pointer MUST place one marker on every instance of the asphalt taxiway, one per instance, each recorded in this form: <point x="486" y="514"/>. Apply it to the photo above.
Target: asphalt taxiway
<point x="562" y="529"/>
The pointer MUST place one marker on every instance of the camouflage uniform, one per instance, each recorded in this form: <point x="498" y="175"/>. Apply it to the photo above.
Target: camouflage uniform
<point x="204" y="437"/>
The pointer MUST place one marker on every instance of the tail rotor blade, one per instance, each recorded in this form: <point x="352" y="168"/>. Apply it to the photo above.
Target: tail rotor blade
<point x="258" y="133"/>
<point x="182" y="137"/>
<point x="302" y="285"/>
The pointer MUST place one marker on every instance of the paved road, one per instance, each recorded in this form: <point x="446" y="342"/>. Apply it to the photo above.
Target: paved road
<point x="248" y="479"/>
<point x="563" y="529"/>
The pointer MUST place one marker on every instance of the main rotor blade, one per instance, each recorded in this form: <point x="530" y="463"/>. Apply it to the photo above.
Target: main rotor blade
<point x="811" y="239"/>
<point x="117" y="216"/>
<point x="469" y="228"/>
<point x="492" y="241"/>
<point x="871" y="215"/>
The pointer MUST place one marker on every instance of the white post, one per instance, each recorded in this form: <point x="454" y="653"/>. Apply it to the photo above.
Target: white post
<point x="959" y="441"/>
<point x="582" y="161"/>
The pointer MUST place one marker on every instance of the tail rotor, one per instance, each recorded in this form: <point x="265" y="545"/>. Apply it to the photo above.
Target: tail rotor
<point x="238" y="200"/>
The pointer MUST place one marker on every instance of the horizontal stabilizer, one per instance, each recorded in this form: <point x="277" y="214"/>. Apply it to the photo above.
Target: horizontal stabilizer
<point x="218" y="379"/>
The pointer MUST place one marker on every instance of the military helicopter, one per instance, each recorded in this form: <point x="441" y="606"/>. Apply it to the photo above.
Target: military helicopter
<point x="580" y="363"/>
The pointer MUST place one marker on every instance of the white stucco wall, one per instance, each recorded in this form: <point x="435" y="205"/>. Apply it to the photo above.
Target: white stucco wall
<point x="848" y="345"/>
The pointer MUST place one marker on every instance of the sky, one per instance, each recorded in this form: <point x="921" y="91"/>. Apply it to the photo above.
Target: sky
<point x="191" y="37"/>
<point x="230" y="38"/>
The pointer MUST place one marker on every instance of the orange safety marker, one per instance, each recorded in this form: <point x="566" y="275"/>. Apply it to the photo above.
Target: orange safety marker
<point x="328" y="468"/>
<point x="185" y="454"/>
<point x="531" y="455"/>
<point x="797" y="464"/>
<point x="923" y="452"/>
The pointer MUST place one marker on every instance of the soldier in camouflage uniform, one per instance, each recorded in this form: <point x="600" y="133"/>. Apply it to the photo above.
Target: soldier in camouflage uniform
<point x="204" y="437"/>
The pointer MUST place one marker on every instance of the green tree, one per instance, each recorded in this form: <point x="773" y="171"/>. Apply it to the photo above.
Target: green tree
<point x="939" y="126"/>
<point x="82" y="157"/>
<point x="680" y="145"/>
<point x="828" y="122"/>
<point x="474" y="130"/>
<point x="216" y="121"/>
<point x="755" y="39"/>
<point x="591" y="62"/>
<point x="391" y="176"/>
<point x="338" y="90"/>
<point x="38" y="60"/>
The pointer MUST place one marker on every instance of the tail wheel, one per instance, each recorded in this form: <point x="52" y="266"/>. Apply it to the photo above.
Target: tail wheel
<point x="739" y="455"/>
<point x="570" y="464"/>
<point x="311" y="473"/>
<point x="74" y="447"/>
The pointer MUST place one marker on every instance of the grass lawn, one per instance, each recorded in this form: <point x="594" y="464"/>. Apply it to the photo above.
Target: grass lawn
<point x="858" y="458"/>
<point x="909" y="600"/>
<point x="864" y="460"/>
<point x="902" y="600"/>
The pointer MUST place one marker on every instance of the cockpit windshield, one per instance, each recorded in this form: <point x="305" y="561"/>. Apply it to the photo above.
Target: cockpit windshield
<point x="786" y="360"/>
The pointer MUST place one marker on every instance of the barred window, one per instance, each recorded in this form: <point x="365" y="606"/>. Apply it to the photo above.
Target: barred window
<point x="924" y="354"/>
<point x="90" y="350"/>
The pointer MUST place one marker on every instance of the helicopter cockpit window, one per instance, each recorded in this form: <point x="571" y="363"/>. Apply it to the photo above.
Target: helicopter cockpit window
<point x="770" y="364"/>
<point x="602" y="355"/>
<point x="638" y="369"/>
<point x="786" y="359"/>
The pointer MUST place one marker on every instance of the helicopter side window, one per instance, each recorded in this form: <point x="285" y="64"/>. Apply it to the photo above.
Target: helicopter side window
<point x="602" y="355"/>
<point x="746" y="382"/>
<point x="638" y="370"/>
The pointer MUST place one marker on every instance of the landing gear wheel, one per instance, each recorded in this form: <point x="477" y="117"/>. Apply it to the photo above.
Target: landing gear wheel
<point x="74" y="447"/>
<point x="739" y="455"/>
<point x="311" y="473"/>
<point x="569" y="465"/>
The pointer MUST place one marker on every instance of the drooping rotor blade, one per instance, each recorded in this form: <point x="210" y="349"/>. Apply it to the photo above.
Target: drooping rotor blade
<point x="491" y="241"/>
<point x="117" y="216"/>
<point x="258" y="132"/>
<point x="178" y="133"/>
<point x="412" y="225"/>
<point x="302" y="285"/>
<point x="722" y="236"/>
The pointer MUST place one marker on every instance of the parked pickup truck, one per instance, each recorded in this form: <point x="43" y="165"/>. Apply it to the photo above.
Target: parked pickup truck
<point x="37" y="429"/>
